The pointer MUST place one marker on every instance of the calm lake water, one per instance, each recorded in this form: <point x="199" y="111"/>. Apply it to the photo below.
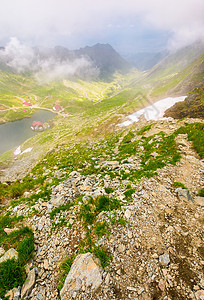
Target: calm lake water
<point x="12" y="134"/>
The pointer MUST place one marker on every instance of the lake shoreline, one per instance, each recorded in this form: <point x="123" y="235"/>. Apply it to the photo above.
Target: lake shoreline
<point x="14" y="133"/>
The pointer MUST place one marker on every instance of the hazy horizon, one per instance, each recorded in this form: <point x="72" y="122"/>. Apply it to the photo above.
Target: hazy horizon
<point x="130" y="26"/>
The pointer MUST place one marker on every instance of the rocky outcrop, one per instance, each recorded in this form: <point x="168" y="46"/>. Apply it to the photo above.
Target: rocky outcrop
<point x="28" y="284"/>
<point x="85" y="273"/>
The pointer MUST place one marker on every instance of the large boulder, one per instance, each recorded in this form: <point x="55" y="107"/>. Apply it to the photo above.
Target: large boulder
<point x="85" y="272"/>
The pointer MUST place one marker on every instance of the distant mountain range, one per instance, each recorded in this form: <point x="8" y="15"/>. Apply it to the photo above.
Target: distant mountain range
<point x="102" y="57"/>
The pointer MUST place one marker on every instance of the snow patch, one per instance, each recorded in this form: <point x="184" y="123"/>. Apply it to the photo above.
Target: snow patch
<point x="154" y="111"/>
<point x="27" y="150"/>
<point x="17" y="151"/>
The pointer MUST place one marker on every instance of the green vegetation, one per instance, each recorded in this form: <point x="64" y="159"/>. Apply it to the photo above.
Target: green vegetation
<point x="127" y="138"/>
<point x="122" y="221"/>
<point x="101" y="228"/>
<point x="103" y="255"/>
<point x="12" y="272"/>
<point x="60" y="209"/>
<point x="179" y="184"/>
<point x="191" y="107"/>
<point x="201" y="192"/>
<point x="64" y="267"/>
<point x="128" y="193"/>
<point x="144" y="129"/>
<point x="195" y="133"/>
<point x="88" y="212"/>
<point x="108" y="190"/>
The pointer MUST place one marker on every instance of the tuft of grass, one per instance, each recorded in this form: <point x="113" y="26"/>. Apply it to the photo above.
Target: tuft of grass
<point x="25" y="249"/>
<point x="104" y="203"/>
<point x="128" y="193"/>
<point x="101" y="228"/>
<point x="12" y="274"/>
<point x="179" y="184"/>
<point x="127" y="138"/>
<point x="144" y="129"/>
<point x="89" y="211"/>
<point x="103" y="255"/>
<point x="122" y="221"/>
<point x="108" y="190"/>
<point x="60" y="208"/>
<point x="201" y="192"/>
<point x="65" y="267"/>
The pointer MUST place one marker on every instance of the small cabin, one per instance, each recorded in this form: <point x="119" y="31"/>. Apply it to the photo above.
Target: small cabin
<point x="37" y="125"/>
<point x="27" y="103"/>
<point x="57" y="107"/>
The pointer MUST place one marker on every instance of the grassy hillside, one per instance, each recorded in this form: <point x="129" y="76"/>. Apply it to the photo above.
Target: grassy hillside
<point x="93" y="107"/>
<point x="74" y="96"/>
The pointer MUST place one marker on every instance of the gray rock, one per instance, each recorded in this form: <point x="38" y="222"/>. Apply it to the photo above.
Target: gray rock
<point x="164" y="259"/>
<point x="28" y="284"/>
<point x="57" y="200"/>
<point x="127" y="214"/>
<point x="49" y="207"/>
<point x="154" y="154"/>
<point x="85" y="271"/>
<point x="184" y="194"/>
<point x="11" y="253"/>
<point x="2" y="251"/>
<point x="121" y="248"/>
<point x="16" y="293"/>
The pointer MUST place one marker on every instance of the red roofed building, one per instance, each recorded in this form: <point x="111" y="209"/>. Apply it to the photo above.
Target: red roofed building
<point x="37" y="125"/>
<point x="27" y="103"/>
<point x="57" y="107"/>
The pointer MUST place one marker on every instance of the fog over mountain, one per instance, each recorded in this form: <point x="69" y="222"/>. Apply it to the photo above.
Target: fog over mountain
<point x="129" y="26"/>
<point x="49" y="64"/>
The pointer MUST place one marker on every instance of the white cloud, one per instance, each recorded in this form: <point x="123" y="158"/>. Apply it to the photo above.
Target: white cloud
<point x="51" y="21"/>
<point x="23" y="58"/>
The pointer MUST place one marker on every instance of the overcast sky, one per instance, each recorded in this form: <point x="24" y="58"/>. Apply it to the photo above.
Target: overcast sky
<point x="128" y="25"/>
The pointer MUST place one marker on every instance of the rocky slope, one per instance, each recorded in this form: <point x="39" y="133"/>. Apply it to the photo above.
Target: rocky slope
<point x="150" y="237"/>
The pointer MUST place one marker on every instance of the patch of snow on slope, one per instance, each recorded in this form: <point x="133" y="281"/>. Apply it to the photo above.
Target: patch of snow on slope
<point x="154" y="111"/>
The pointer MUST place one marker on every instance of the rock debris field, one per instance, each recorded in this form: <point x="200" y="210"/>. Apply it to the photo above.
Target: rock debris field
<point x="155" y="240"/>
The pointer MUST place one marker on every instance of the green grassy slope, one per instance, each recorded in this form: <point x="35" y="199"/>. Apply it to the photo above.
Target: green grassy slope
<point x="92" y="107"/>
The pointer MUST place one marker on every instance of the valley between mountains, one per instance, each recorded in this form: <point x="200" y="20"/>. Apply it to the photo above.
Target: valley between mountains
<point x="95" y="210"/>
